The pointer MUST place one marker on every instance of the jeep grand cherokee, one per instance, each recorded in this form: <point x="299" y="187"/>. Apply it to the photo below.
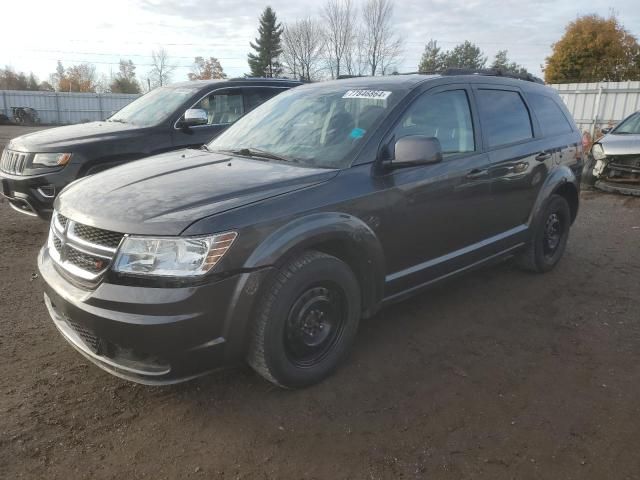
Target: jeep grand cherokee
<point x="311" y="212"/>
<point x="35" y="167"/>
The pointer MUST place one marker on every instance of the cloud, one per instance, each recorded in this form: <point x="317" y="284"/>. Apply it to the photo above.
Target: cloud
<point x="224" y="28"/>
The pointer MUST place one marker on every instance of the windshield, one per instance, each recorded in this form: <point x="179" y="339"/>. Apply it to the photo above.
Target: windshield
<point x="318" y="126"/>
<point x="154" y="107"/>
<point x="629" y="126"/>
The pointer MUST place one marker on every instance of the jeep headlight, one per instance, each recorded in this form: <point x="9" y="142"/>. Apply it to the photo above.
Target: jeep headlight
<point x="51" y="159"/>
<point x="172" y="256"/>
<point x="597" y="151"/>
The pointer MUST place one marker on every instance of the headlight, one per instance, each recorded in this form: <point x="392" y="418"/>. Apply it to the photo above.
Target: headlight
<point x="51" y="159"/>
<point x="597" y="151"/>
<point x="175" y="257"/>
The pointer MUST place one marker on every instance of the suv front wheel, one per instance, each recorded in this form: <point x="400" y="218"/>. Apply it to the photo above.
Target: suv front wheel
<point x="549" y="236"/>
<point x="306" y="321"/>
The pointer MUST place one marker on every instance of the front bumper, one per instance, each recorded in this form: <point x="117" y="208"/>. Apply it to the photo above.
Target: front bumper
<point x="618" y="187"/>
<point x="33" y="195"/>
<point x="153" y="335"/>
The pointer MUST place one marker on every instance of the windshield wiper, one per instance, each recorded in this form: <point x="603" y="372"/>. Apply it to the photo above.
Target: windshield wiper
<point x="119" y="120"/>
<point x="258" y="153"/>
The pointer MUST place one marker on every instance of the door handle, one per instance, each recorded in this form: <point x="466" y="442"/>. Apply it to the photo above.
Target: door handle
<point x="477" y="173"/>
<point x="542" y="156"/>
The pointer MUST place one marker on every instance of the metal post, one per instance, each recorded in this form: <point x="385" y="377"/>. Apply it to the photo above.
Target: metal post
<point x="58" y="114"/>
<point x="596" y="115"/>
<point x="100" y="106"/>
<point x="4" y="104"/>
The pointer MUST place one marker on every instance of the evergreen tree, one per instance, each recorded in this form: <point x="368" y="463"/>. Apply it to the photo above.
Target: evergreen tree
<point x="501" y="62"/>
<point x="264" y="62"/>
<point x="465" y="55"/>
<point x="432" y="59"/>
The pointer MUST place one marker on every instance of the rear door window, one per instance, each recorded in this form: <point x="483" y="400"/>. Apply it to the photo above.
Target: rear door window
<point x="550" y="117"/>
<point x="504" y="116"/>
<point x="254" y="97"/>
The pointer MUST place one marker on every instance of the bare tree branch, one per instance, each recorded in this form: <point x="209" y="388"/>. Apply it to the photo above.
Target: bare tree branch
<point x="160" y="73"/>
<point x="303" y="43"/>
<point x="338" y="16"/>
<point x="382" y="46"/>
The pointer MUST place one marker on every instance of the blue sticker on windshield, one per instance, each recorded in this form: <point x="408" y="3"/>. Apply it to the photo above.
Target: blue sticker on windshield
<point x="357" y="133"/>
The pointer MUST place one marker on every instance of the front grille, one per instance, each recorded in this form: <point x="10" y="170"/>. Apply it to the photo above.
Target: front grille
<point x="97" y="235"/>
<point x="13" y="162"/>
<point x="87" y="336"/>
<point x="57" y="243"/>
<point x="84" y="261"/>
<point x="62" y="219"/>
<point x="84" y="252"/>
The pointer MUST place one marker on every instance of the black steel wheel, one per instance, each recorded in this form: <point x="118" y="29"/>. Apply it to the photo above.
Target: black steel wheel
<point x="306" y="321"/>
<point x="314" y="324"/>
<point x="549" y="236"/>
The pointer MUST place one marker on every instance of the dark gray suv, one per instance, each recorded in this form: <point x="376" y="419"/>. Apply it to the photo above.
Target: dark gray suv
<point x="311" y="212"/>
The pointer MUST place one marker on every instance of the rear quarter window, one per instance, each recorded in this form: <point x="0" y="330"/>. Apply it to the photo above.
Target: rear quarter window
<point x="504" y="116"/>
<point x="550" y="116"/>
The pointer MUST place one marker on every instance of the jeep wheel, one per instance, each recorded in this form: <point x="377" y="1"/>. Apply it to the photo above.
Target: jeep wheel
<point x="549" y="239"/>
<point x="306" y="321"/>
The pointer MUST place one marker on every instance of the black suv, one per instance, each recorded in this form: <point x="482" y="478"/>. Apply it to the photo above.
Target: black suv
<point x="326" y="202"/>
<point x="35" y="167"/>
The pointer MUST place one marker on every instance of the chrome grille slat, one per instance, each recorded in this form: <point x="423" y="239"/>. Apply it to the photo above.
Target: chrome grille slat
<point x="82" y="258"/>
<point x="13" y="162"/>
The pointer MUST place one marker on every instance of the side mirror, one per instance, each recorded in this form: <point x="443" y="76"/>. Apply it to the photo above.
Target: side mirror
<point x="195" y="116"/>
<point x="416" y="150"/>
<point x="606" y="130"/>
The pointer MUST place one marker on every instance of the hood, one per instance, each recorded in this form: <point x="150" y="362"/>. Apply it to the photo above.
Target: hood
<point x="164" y="194"/>
<point x="620" y="144"/>
<point x="60" y="138"/>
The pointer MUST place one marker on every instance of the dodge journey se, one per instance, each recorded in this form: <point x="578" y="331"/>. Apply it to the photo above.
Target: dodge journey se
<point x="270" y="243"/>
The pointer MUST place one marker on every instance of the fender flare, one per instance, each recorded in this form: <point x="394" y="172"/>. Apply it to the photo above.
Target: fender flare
<point x="324" y="230"/>
<point x="558" y="178"/>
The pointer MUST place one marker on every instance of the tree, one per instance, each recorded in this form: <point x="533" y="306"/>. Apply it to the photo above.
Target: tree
<point x="206" y="69"/>
<point x="160" y="73"/>
<point x="339" y="33"/>
<point x="382" y="45"/>
<point x="56" y="78"/>
<point x="594" y="49"/>
<point x="431" y="60"/>
<point x="264" y="62"/>
<point x="501" y="62"/>
<point x="46" y="87"/>
<point x="125" y="80"/>
<point x="78" y="78"/>
<point x="465" y="55"/>
<point x="302" y="46"/>
<point x="10" y="80"/>
<point x="32" y="82"/>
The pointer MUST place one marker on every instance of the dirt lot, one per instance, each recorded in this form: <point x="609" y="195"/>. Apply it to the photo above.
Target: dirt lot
<point x="498" y="374"/>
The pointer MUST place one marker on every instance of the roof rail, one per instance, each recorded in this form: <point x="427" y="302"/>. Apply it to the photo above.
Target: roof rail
<point x="345" y="77"/>
<point x="281" y="79"/>
<point x="493" y="72"/>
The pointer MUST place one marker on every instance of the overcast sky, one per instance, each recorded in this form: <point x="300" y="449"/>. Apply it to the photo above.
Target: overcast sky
<point x="36" y="33"/>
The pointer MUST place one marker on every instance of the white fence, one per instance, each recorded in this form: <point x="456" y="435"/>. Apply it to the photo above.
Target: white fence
<point x="593" y="105"/>
<point x="62" y="107"/>
<point x="597" y="105"/>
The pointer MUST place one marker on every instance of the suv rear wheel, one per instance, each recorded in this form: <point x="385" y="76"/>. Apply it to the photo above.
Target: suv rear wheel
<point x="550" y="235"/>
<point x="306" y="321"/>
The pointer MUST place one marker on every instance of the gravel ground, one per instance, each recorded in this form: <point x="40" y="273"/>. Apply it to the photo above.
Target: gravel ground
<point x="496" y="374"/>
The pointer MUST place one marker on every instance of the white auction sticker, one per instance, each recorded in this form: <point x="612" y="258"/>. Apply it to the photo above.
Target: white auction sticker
<point x="373" y="94"/>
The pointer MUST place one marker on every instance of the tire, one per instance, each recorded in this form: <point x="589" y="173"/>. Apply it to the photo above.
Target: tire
<point x="306" y="321"/>
<point x="549" y="239"/>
